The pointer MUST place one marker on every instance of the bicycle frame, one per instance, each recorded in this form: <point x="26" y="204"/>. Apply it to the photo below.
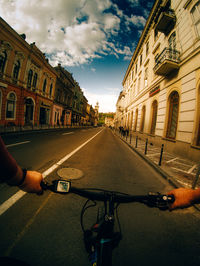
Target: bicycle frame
<point x="100" y="247"/>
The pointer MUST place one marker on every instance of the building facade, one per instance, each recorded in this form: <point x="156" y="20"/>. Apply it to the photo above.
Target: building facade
<point x="64" y="92"/>
<point x="32" y="92"/>
<point x="161" y="88"/>
<point x="27" y="81"/>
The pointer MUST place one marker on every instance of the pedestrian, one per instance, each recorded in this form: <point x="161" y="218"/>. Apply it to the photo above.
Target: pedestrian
<point x="14" y="175"/>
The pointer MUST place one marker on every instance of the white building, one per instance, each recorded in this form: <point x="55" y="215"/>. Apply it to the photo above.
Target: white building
<point x="161" y="87"/>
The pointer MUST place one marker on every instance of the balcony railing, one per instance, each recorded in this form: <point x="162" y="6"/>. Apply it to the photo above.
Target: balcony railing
<point x="166" y="21"/>
<point x="167" y="61"/>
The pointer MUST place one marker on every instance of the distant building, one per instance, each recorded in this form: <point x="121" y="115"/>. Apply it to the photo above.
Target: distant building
<point x="109" y="121"/>
<point x="161" y="88"/>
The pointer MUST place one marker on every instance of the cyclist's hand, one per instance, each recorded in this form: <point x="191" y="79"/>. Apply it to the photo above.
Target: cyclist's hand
<point x="32" y="182"/>
<point x="184" y="197"/>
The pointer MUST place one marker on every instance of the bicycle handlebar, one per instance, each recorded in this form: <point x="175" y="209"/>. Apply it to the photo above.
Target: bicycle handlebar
<point x="152" y="199"/>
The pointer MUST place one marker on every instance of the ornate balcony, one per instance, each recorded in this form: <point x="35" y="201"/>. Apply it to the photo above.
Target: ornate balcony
<point x="167" y="61"/>
<point x="166" y="21"/>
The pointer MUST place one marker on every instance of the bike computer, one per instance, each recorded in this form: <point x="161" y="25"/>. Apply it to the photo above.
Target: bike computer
<point x="62" y="186"/>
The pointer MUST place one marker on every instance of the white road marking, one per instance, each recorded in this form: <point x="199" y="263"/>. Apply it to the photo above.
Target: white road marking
<point x="68" y="133"/>
<point x="12" y="200"/>
<point x="192" y="168"/>
<point x="153" y="154"/>
<point x="18" y="143"/>
<point x="172" y="160"/>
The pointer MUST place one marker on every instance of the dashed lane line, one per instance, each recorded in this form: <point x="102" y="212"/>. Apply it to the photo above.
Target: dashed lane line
<point x="68" y="133"/>
<point x="12" y="200"/>
<point x="17" y="143"/>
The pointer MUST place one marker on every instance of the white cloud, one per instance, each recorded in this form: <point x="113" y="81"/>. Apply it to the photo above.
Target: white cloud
<point x="58" y="27"/>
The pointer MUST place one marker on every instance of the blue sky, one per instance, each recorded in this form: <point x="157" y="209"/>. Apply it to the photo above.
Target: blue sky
<point x="93" y="39"/>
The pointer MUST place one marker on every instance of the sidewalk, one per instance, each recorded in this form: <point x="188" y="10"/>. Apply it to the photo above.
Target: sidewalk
<point x="18" y="129"/>
<point x="180" y="172"/>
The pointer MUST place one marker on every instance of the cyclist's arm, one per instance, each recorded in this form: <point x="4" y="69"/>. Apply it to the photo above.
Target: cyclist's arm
<point x="11" y="172"/>
<point x="184" y="197"/>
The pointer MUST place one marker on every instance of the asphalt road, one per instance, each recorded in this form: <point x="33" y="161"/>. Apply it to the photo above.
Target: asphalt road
<point x="45" y="230"/>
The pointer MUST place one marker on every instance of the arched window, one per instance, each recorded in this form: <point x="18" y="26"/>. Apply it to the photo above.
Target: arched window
<point x="44" y="85"/>
<point x="195" y="12"/>
<point x="142" y="118"/>
<point x="35" y="80"/>
<point x="0" y="102"/>
<point x="10" y="106"/>
<point x="136" y="118"/>
<point x="50" y="90"/>
<point x="30" y="76"/>
<point x="3" y="58"/>
<point x="16" y="69"/>
<point x="154" y="117"/>
<point x="198" y="119"/>
<point x="173" y="115"/>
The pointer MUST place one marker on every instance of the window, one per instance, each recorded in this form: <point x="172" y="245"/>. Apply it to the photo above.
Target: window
<point x="35" y="80"/>
<point x="146" y="77"/>
<point x="44" y="86"/>
<point x="10" y="106"/>
<point x="142" y="118"/>
<point x="132" y="75"/>
<point x="30" y="76"/>
<point x="50" y="90"/>
<point x="3" y="58"/>
<point x="147" y="48"/>
<point x="0" y="102"/>
<point x="136" y="118"/>
<point x="172" y="41"/>
<point x="139" y="83"/>
<point x="195" y="12"/>
<point x="154" y="117"/>
<point x="16" y="70"/>
<point x="173" y="115"/>
<point x="140" y="59"/>
<point x="198" y="120"/>
<point x="136" y="68"/>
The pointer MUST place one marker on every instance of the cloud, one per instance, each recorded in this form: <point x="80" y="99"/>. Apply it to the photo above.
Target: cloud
<point x="69" y="32"/>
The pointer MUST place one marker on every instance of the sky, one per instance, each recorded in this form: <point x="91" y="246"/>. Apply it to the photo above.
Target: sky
<point x="92" y="39"/>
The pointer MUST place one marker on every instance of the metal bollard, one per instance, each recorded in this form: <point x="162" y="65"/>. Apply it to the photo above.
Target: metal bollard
<point x="136" y="141"/>
<point x="145" y="152"/>
<point x="196" y="177"/>
<point x="161" y="153"/>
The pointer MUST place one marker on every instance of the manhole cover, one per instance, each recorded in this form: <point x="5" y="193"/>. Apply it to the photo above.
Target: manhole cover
<point x="69" y="173"/>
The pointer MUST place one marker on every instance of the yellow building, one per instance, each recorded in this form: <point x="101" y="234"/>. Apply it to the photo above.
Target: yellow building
<point x="161" y="88"/>
<point x="27" y="81"/>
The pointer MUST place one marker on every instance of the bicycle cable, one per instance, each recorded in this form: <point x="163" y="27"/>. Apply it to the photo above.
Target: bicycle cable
<point x="84" y="210"/>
